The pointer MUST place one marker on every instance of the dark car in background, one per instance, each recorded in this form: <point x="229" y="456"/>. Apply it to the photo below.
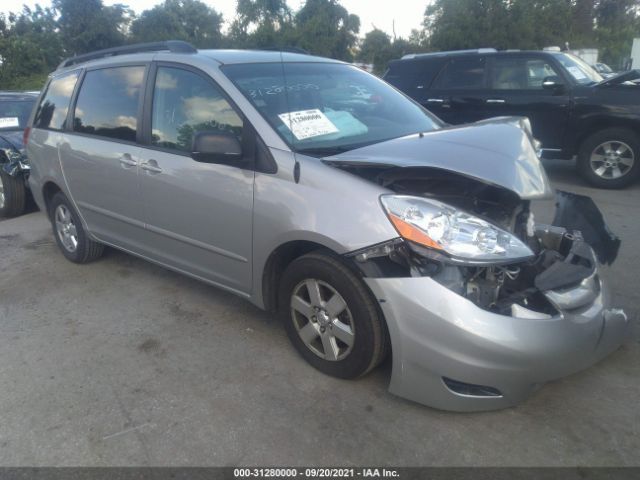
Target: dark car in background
<point x="573" y="110"/>
<point x="15" y="108"/>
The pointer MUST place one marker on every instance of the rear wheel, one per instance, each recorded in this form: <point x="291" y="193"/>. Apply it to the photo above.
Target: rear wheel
<point x="69" y="232"/>
<point x="330" y="317"/>
<point x="610" y="158"/>
<point x="12" y="195"/>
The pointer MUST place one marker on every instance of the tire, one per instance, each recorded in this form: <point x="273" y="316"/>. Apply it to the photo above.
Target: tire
<point x="12" y="195"/>
<point x="610" y="158"/>
<point x="329" y="347"/>
<point x="73" y="241"/>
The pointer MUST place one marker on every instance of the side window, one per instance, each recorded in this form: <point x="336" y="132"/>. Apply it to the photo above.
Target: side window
<point x="108" y="103"/>
<point x="53" y="108"/>
<point x="185" y="103"/>
<point x="463" y="74"/>
<point x="520" y="73"/>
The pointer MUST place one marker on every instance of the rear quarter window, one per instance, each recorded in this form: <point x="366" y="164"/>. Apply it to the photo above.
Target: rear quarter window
<point x="108" y="101"/>
<point x="52" y="110"/>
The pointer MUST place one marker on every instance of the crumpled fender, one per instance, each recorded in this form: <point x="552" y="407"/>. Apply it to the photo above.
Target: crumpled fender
<point x="578" y="212"/>
<point x="13" y="162"/>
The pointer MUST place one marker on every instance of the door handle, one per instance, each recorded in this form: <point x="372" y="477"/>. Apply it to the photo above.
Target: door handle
<point x="496" y="100"/>
<point x="435" y="100"/>
<point x="127" y="161"/>
<point x="151" y="166"/>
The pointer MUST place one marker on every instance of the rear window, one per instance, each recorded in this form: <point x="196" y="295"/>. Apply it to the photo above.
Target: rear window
<point x="14" y="114"/>
<point x="53" y="108"/>
<point x="108" y="101"/>
<point x="409" y="74"/>
<point x="465" y="73"/>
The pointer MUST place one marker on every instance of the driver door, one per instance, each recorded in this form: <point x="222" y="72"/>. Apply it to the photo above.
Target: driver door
<point x="198" y="215"/>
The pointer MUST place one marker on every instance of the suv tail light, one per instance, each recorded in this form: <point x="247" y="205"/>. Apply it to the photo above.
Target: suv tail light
<point x="25" y="136"/>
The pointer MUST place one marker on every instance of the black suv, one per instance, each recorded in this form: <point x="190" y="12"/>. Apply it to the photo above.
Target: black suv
<point x="572" y="109"/>
<point x="15" y="108"/>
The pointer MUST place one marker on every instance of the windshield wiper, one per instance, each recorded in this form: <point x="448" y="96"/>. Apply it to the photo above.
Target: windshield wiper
<point x="324" y="151"/>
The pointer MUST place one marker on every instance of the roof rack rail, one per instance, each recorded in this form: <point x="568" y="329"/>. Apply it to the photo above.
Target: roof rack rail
<point x="451" y="52"/>
<point x="175" y="46"/>
<point x="299" y="50"/>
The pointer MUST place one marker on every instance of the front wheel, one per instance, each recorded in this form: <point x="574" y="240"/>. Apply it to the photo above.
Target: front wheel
<point x="610" y="158"/>
<point x="330" y="317"/>
<point x="12" y="195"/>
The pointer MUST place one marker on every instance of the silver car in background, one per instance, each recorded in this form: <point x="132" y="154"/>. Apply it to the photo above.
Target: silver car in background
<point x="316" y="190"/>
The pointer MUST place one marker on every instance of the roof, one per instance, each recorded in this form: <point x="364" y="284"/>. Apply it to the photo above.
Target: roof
<point x="18" y="95"/>
<point x="227" y="57"/>
<point x="177" y="47"/>
<point x="478" y="51"/>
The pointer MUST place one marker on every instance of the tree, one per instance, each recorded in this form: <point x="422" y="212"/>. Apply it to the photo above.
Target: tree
<point x="189" y="20"/>
<point x="378" y="48"/>
<point x="262" y="23"/>
<point x="617" y="24"/>
<point x="326" y="28"/>
<point x="87" y="25"/>
<point x="462" y="24"/>
<point x="30" y="47"/>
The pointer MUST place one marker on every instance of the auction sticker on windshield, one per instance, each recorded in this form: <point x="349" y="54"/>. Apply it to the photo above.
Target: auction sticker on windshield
<point x="308" y="123"/>
<point x="8" y="122"/>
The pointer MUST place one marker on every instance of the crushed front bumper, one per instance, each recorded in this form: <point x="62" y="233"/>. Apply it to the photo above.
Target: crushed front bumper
<point x="440" y="339"/>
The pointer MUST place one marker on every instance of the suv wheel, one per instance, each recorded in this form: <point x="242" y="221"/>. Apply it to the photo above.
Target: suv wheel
<point x="331" y="318"/>
<point x="69" y="233"/>
<point x="610" y="158"/>
<point x="12" y="195"/>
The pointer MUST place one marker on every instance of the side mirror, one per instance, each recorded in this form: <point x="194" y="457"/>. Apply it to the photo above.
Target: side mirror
<point x="217" y="147"/>
<point x="553" y="83"/>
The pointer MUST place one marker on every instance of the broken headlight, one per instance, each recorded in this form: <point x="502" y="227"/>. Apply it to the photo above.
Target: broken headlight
<point x="459" y="235"/>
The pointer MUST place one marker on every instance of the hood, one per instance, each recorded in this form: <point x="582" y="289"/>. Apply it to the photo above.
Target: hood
<point x="493" y="152"/>
<point x="621" y="78"/>
<point x="11" y="139"/>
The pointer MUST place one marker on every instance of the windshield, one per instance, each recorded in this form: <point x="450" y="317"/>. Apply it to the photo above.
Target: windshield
<point x="326" y="108"/>
<point x="14" y="114"/>
<point x="579" y="70"/>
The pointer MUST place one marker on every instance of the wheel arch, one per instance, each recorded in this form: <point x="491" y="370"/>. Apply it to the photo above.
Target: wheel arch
<point x="276" y="264"/>
<point x="604" y="123"/>
<point x="49" y="189"/>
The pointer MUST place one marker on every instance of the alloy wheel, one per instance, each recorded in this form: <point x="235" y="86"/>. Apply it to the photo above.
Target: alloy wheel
<point x="322" y="319"/>
<point x="65" y="228"/>
<point x="612" y="159"/>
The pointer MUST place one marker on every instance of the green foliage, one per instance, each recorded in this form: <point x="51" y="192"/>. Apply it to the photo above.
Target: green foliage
<point x="34" y="41"/>
<point x="378" y="49"/>
<point x="87" y="25"/>
<point x="189" y="20"/>
<point x="326" y="28"/>
<point x="609" y="25"/>
<point x="30" y="48"/>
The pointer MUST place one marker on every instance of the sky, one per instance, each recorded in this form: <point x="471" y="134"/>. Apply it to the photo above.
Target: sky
<point x="407" y="14"/>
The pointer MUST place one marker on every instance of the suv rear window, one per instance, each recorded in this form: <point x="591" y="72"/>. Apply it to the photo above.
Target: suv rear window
<point x="108" y="103"/>
<point x="53" y="108"/>
<point x="463" y="73"/>
<point x="409" y="74"/>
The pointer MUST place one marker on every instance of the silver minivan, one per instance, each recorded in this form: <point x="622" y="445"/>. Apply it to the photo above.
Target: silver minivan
<point x="318" y="191"/>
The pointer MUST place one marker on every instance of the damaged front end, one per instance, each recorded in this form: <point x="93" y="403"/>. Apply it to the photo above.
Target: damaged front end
<point x="483" y="305"/>
<point x="13" y="162"/>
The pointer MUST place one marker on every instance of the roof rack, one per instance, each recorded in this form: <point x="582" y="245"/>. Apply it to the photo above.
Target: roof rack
<point x="174" y="46"/>
<point x="452" y="52"/>
<point x="299" y="50"/>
